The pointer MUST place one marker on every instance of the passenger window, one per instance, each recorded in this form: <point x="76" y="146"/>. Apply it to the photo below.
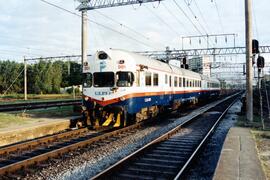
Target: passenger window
<point x="184" y="82"/>
<point x="148" y="79"/>
<point x="170" y="81"/>
<point x="180" y="82"/>
<point x="166" y="79"/>
<point x="175" y="81"/>
<point x="155" y="80"/>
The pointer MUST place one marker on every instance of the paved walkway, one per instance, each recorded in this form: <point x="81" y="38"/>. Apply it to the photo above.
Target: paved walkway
<point x="239" y="159"/>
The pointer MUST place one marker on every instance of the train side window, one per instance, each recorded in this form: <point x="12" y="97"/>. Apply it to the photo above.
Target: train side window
<point x="184" y="82"/>
<point x="180" y="82"/>
<point x="190" y="83"/>
<point x="175" y="81"/>
<point x="170" y="81"/>
<point x="138" y="78"/>
<point x="87" y="80"/>
<point x="124" y="79"/>
<point x="166" y="79"/>
<point x="148" y="78"/>
<point x="155" y="79"/>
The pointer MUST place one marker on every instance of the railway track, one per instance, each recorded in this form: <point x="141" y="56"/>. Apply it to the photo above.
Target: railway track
<point x="37" y="105"/>
<point x="19" y="159"/>
<point x="26" y="155"/>
<point x="168" y="156"/>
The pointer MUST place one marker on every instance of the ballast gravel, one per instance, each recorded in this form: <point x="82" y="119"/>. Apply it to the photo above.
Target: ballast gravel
<point x="86" y="163"/>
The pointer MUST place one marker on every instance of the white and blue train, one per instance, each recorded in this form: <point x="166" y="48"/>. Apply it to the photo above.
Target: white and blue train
<point x="121" y="87"/>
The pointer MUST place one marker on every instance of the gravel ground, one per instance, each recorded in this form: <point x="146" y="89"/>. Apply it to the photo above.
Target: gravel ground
<point x="84" y="164"/>
<point x="204" y="167"/>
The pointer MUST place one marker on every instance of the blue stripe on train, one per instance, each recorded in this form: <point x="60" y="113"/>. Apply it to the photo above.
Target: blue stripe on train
<point x="135" y="104"/>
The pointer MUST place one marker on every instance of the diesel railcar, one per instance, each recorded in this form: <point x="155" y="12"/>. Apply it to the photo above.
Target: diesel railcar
<point x="122" y="87"/>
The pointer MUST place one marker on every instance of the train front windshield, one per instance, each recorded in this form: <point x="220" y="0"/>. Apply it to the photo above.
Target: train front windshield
<point x="87" y="80"/>
<point x="104" y="79"/>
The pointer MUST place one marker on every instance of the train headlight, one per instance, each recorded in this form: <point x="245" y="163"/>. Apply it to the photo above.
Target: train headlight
<point x="86" y="98"/>
<point x="122" y="98"/>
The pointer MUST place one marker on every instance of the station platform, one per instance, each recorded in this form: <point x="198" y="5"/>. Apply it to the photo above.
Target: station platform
<point x="33" y="130"/>
<point x="239" y="158"/>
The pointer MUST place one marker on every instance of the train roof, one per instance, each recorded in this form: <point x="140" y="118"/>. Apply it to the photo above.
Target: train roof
<point x="155" y="64"/>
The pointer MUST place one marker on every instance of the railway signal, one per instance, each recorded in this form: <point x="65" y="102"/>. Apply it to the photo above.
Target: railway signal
<point x="260" y="62"/>
<point x="255" y="46"/>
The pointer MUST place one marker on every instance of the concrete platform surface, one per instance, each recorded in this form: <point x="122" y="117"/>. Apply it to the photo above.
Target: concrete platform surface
<point x="239" y="159"/>
<point x="16" y="134"/>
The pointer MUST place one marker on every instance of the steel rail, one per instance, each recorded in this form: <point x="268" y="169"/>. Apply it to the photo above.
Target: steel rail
<point x="5" y="150"/>
<point x="117" y="165"/>
<point x="203" y="141"/>
<point x="5" y="170"/>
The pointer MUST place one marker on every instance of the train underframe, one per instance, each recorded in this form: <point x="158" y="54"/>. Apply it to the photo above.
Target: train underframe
<point x="96" y="116"/>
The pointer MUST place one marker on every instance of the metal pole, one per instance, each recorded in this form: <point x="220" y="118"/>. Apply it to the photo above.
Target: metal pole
<point x="249" y="73"/>
<point x="25" y="79"/>
<point x="207" y="41"/>
<point x="84" y="37"/>
<point x="182" y="43"/>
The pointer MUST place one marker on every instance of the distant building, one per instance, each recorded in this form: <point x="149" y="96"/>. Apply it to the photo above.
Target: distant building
<point x="201" y="65"/>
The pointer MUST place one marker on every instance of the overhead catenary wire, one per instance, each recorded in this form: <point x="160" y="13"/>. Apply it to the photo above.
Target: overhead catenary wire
<point x="196" y="17"/>
<point x="99" y="24"/>
<point x="201" y="14"/>
<point x="255" y="21"/>
<point x="125" y="26"/>
<point x="32" y="41"/>
<point x="122" y="25"/>
<point x="183" y="12"/>
<point x="12" y="83"/>
<point x="219" y="17"/>
<point x="177" y="19"/>
<point x="194" y="25"/>
<point x="164" y="22"/>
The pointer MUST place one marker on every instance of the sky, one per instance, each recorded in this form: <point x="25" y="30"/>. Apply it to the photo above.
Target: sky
<point x="33" y="28"/>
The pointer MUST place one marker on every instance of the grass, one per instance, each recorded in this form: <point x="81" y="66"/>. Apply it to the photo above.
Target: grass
<point x="34" y="97"/>
<point x="242" y="122"/>
<point x="261" y="135"/>
<point x="28" y="117"/>
<point x="262" y="139"/>
<point x="7" y="120"/>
